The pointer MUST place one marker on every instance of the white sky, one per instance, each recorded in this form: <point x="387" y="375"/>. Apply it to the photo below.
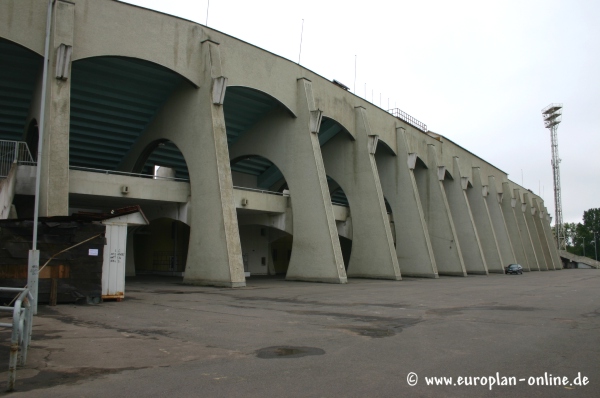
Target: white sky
<point x="476" y="71"/>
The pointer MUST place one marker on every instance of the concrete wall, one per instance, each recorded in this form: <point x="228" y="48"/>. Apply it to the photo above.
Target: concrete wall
<point x="441" y="224"/>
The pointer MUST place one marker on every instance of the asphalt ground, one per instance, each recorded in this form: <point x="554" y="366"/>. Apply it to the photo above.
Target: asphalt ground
<point x="295" y="339"/>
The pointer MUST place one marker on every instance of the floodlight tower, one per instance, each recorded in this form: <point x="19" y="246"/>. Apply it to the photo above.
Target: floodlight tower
<point x="552" y="115"/>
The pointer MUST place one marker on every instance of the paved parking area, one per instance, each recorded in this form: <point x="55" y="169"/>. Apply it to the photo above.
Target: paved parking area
<point x="278" y="338"/>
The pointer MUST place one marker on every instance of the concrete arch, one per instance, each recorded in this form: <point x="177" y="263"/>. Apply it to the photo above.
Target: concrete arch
<point x="288" y="143"/>
<point x="264" y="91"/>
<point x="162" y="247"/>
<point x="257" y="172"/>
<point x="330" y="127"/>
<point x="11" y="29"/>
<point x="350" y="162"/>
<point x="383" y="146"/>
<point x="129" y="57"/>
<point x="162" y="152"/>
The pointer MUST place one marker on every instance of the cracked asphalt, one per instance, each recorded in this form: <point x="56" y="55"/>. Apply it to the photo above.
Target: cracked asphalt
<point x="295" y="339"/>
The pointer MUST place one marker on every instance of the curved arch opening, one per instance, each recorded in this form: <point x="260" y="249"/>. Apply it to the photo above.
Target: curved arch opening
<point x="257" y="172"/>
<point x="384" y="148"/>
<point x="113" y="100"/>
<point x="161" y="247"/>
<point x="330" y="128"/>
<point x="32" y="138"/>
<point x="266" y="251"/>
<point x="162" y="159"/>
<point x="19" y="74"/>
<point x="244" y="107"/>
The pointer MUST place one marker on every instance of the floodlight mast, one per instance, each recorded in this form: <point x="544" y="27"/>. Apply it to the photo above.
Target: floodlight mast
<point x="552" y="115"/>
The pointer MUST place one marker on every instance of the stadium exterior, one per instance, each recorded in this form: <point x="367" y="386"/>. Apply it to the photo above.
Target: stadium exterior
<point x="244" y="162"/>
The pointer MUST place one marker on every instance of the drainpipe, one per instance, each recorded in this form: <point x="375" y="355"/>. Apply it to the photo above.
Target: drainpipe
<point x="34" y="254"/>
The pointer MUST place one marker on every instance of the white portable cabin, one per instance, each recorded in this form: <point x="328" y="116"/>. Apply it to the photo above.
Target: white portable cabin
<point x="113" y="267"/>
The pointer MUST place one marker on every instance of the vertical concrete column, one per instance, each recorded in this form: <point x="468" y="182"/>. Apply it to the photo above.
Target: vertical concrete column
<point x="292" y="144"/>
<point x="193" y="119"/>
<point x="54" y="182"/>
<point x="446" y="248"/>
<point x="546" y="244"/>
<point x="530" y="214"/>
<point x="483" y="222"/>
<point x="508" y="203"/>
<point x="521" y="216"/>
<point x="463" y="221"/>
<point x="494" y="201"/>
<point x="551" y="241"/>
<point x="413" y="247"/>
<point x="352" y="165"/>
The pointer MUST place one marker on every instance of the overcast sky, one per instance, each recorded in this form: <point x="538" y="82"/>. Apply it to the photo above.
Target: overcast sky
<point x="476" y="71"/>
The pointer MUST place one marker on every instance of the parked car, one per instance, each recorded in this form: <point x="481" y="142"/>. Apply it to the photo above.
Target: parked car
<point x="514" y="269"/>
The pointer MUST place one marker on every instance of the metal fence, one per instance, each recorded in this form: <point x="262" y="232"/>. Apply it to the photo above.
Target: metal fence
<point x="13" y="152"/>
<point x="22" y="317"/>
<point x="400" y="114"/>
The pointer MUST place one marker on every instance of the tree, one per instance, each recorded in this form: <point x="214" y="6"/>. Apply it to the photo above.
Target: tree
<point x="584" y="234"/>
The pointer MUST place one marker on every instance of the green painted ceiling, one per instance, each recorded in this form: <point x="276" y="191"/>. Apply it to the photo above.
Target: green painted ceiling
<point x="113" y="100"/>
<point x="19" y="71"/>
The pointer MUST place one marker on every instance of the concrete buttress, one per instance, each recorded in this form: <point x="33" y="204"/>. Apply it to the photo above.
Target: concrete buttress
<point x="293" y="146"/>
<point x="444" y="240"/>
<point x="530" y="214"/>
<point x="195" y="124"/>
<point x="456" y="192"/>
<point x="494" y="200"/>
<point x="413" y="247"/>
<point x="483" y="222"/>
<point x="508" y="203"/>
<point x="54" y="181"/>
<point x="539" y="218"/>
<point x="521" y="216"/>
<point x="352" y="165"/>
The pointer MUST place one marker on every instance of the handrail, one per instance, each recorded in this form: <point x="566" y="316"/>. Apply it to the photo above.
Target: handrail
<point x="21" y="331"/>
<point x="125" y="173"/>
<point x="13" y="152"/>
<point x="259" y="190"/>
<point x="400" y="114"/>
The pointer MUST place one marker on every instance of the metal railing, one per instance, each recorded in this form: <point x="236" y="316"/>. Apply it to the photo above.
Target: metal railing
<point x="21" y="330"/>
<point x="259" y="190"/>
<point x="124" y="173"/>
<point x="400" y="114"/>
<point x="13" y="152"/>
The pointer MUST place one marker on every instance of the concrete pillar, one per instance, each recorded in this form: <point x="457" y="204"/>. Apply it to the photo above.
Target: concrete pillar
<point x="508" y="204"/>
<point x="352" y="165"/>
<point x="539" y="218"/>
<point x="463" y="221"/>
<point x="54" y="181"/>
<point x="521" y="214"/>
<point x="193" y="120"/>
<point x="494" y="201"/>
<point x="535" y="237"/>
<point x="413" y="247"/>
<point x="292" y="144"/>
<point x="446" y="248"/>
<point x="483" y="222"/>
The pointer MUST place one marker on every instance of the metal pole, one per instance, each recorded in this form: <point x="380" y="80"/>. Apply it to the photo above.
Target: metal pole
<point x="34" y="254"/>
<point x="583" y="246"/>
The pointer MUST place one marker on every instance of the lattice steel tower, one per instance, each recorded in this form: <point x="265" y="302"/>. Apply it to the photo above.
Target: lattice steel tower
<point x="552" y="115"/>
